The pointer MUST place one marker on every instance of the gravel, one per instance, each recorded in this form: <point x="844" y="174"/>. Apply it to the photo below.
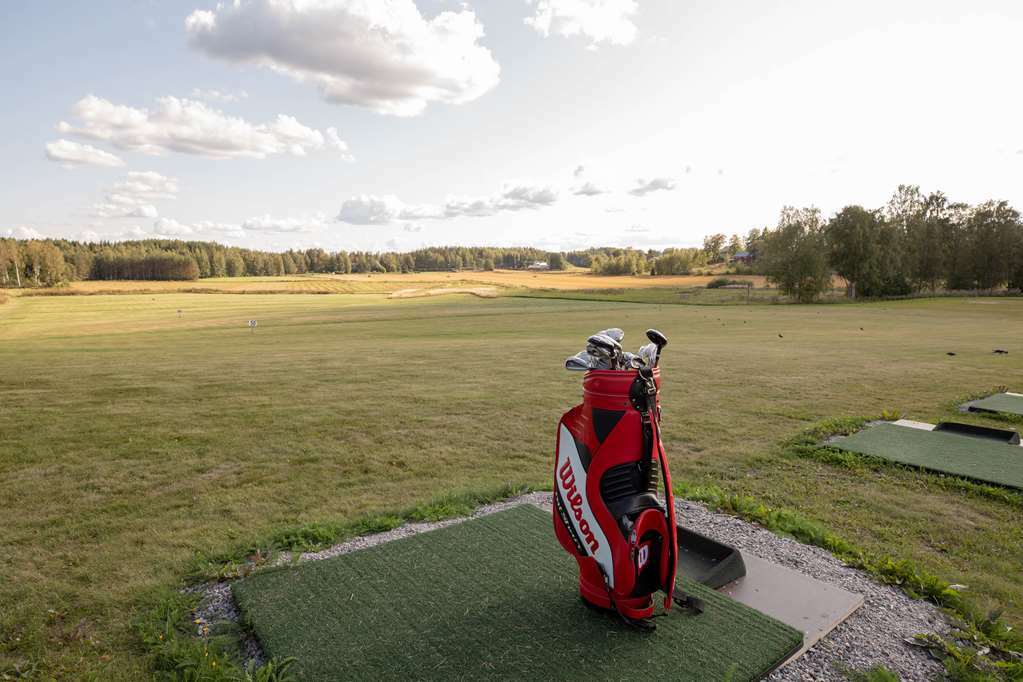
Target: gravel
<point x="874" y="635"/>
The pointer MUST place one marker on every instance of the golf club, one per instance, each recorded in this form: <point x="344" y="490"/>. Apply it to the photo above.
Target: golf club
<point x="649" y="354"/>
<point x="659" y="340"/>
<point x="633" y="360"/>
<point x="614" y="332"/>
<point x="577" y="363"/>
<point x="600" y="358"/>
<point x="606" y="345"/>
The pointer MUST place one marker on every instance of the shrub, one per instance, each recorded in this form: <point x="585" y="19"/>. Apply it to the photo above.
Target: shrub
<point x="719" y="282"/>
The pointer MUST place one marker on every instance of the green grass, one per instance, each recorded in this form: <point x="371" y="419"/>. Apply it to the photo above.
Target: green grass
<point x="138" y="447"/>
<point x="491" y="598"/>
<point x="245" y="557"/>
<point x="660" y="295"/>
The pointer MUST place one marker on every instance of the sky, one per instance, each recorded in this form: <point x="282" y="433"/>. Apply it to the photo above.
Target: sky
<point x="561" y="124"/>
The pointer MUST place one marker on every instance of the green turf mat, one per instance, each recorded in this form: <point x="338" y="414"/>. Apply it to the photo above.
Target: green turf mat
<point x="941" y="451"/>
<point x="1000" y="402"/>
<point x="494" y="597"/>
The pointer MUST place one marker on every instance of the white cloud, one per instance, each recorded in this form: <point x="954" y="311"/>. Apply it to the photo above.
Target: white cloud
<point x="191" y="127"/>
<point x="73" y="154"/>
<point x="135" y="232"/>
<point x="381" y="54"/>
<point x="598" y="20"/>
<point x="519" y="197"/>
<point x="644" y="187"/>
<point x="89" y="236"/>
<point x="218" y="95"/>
<point x="368" y="209"/>
<point x="24" y="232"/>
<point x="375" y="210"/>
<point x="171" y="228"/>
<point x="147" y="185"/>
<point x="267" y="223"/>
<point x="578" y="172"/>
<point x="223" y="229"/>
<point x="410" y="227"/>
<point x="144" y="211"/>
<point x="588" y="189"/>
<point x="132" y="197"/>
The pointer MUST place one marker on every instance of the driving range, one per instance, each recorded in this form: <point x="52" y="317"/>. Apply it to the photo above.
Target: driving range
<point x="145" y="450"/>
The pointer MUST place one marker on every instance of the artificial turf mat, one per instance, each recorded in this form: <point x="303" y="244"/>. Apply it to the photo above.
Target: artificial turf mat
<point x="1006" y="403"/>
<point x="941" y="451"/>
<point x="494" y="597"/>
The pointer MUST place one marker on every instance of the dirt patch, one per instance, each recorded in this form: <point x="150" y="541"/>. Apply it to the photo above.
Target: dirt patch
<point x="482" y="292"/>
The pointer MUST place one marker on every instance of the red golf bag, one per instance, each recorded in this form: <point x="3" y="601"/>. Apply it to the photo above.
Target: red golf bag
<point x="608" y="461"/>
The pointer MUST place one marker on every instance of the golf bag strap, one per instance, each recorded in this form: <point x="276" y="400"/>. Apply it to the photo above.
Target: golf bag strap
<point x="669" y="501"/>
<point x="651" y="441"/>
<point x="648" y="413"/>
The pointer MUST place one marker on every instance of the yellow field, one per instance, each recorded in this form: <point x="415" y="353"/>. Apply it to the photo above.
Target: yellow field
<point x="386" y="283"/>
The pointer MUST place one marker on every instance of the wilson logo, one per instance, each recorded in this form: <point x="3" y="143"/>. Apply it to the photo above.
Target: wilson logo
<point x="567" y="477"/>
<point x="643" y="557"/>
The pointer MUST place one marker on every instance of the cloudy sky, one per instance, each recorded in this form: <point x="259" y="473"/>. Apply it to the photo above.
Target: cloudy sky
<point x="392" y="124"/>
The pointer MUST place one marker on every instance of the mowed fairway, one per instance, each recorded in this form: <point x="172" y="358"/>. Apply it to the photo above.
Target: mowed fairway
<point x="132" y="437"/>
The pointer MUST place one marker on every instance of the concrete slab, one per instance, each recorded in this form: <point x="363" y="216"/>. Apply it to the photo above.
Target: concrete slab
<point x="923" y="426"/>
<point x="813" y="607"/>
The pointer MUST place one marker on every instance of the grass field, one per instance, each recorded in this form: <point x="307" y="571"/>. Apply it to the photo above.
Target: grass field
<point x="132" y="437"/>
<point x="572" y="280"/>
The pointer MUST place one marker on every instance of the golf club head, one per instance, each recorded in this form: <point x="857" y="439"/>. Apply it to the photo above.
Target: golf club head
<point x="614" y="333"/>
<point x="649" y="354"/>
<point x="585" y="357"/>
<point x="598" y="352"/>
<point x="657" y="338"/>
<point x="632" y="360"/>
<point x="606" y="342"/>
<point x="599" y="357"/>
<point x="577" y="364"/>
<point x="607" y="345"/>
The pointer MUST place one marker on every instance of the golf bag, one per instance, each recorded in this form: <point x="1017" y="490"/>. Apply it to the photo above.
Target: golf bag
<point x="608" y="461"/>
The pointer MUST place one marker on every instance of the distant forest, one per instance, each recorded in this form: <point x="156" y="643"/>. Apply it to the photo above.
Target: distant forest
<point x="914" y="243"/>
<point x="48" y="262"/>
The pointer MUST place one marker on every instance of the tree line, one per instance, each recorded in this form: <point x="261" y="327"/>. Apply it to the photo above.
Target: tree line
<point x="915" y="243"/>
<point x="609" y="261"/>
<point x="48" y="262"/>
